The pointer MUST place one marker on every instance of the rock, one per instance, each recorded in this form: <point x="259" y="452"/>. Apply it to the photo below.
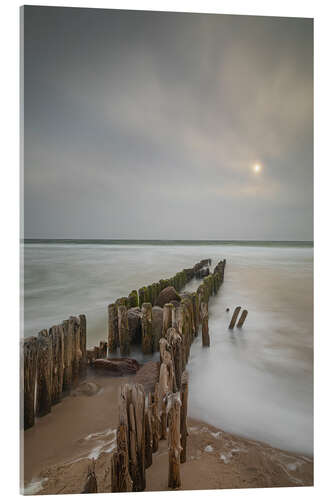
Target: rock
<point x="167" y="295"/>
<point x="134" y="324"/>
<point x="157" y="313"/>
<point x="117" y="366"/>
<point x="87" y="389"/>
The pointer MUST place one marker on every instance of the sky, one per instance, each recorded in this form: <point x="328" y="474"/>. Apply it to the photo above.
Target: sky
<point x="148" y="125"/>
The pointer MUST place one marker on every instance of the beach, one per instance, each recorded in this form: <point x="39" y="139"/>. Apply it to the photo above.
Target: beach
<point x="263" y="374"/>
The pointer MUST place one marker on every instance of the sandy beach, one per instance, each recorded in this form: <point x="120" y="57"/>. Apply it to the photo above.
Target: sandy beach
<point x="59" y="448"/>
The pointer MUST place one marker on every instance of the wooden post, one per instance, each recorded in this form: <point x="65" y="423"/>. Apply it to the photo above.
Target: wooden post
<point x="148" y="437"/>
<point x="175" y="342"/>
<point x="234" y="317"/>
<point x="124" y="339"/>
<point x="57" y="336"/>
<point x="183" y="416"/>
<point x="91" y="481"/>
<point x="83" y="346"/>
<point x="147" y="328"/>
<point x="156" y="418"/>
<point x="30" y="374"/>
<point x="205" y="328"/>
<point x="242" y="319"/>
<point x="167" y="318"/>
<point x="74" y="325"/>
<point x="133" y="299"/>
<point x="68" y="355"/>
<point x="195" y="303"/>
<point x="113" y="338"/>
<point x="44" y="374"/>
<point x="174" y="405"/>
<point x="124" y="480"/>
<point x="103" y="349"/>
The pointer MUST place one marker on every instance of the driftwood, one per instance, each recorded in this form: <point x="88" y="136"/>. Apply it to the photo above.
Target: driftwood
<point x="174" y="445"/>
<point x="119" y="366"/>
<point x="242" y="319"/>
<point x="234" y="317"/>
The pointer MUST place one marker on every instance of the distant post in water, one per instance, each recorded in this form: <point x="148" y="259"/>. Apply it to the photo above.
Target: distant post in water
<point x="242" y="319"/>
<point x="234" y="317"/>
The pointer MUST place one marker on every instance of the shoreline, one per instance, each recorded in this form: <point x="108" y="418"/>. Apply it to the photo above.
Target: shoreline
<point x="59" y="448"/>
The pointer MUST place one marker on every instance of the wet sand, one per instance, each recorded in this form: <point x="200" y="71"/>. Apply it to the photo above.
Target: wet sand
<point x="59" y="447"/>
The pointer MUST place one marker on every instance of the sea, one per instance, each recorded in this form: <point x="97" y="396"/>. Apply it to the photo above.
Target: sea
<point x="256" y="381"/>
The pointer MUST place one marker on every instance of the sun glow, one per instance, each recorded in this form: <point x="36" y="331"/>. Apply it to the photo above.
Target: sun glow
<point x="257" y="168"/>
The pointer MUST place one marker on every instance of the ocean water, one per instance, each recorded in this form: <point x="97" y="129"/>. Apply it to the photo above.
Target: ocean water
<point x="256" y="382"/>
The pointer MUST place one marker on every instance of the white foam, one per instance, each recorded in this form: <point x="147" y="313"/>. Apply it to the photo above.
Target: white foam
<point x="209" y="448"/>
<point x="35" y="486"/>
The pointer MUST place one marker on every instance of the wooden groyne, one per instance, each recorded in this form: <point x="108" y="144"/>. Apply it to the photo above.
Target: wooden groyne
<point x="147" y="418"/>
<point x="56" y="360"/>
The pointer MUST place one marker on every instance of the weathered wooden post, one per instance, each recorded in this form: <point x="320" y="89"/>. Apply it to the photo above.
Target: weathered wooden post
<point x="124" y="339"/>
<point x="156" y="418"/>
<point x="168" y="311"/>
<point x="103" y="349"/>
<point x="77" y="354"/>
<point x="147" y="328"/>
<point x="148" y="435"/>
<point x="174" y="445"/>
<point x="91" y="481"/>
<point x="83" y="346"/>
<point x="68" y="355"/>
<point x="133" y="299"/>
<point x="242" y="319"/>
<point x="44" y="374"/>
<point x="205" y="328"/>
<point x="234" y="317"/>
<point x="30" y="373"/>
<point x="175" y="342"/>
<point x="57" y="336"/>
<point x="113" y="339"/>
<point x="195" y="303"/>
<point x="183" y="416"/>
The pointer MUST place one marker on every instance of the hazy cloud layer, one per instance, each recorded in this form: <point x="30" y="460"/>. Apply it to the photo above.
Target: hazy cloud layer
<point x="147" y="125"/>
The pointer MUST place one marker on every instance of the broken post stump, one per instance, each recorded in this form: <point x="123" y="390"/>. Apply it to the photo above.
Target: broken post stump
<point x="234" y="317"/>
<point x="242" y="319"/>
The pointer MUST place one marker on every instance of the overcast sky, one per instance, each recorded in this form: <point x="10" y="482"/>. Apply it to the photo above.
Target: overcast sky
<point x="148" y="125"/>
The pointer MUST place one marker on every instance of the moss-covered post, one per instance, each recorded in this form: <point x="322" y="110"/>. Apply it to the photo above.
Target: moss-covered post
<point x="133" y="299"/>
<point x="113" y="338"/>
<point x="124" y="338"/>
<point x="147" y="328"/>
<point x="234" y="317"/>
<point x="30" y="374"/>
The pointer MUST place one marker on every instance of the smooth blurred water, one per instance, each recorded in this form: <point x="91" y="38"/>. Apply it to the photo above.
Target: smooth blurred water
<point x="257" y="381"/>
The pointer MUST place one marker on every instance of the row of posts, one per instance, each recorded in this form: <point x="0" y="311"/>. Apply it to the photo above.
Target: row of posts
<point x="53" y="364"/>
<point x="55" y="360"/>
<point x="145" y="419"/>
